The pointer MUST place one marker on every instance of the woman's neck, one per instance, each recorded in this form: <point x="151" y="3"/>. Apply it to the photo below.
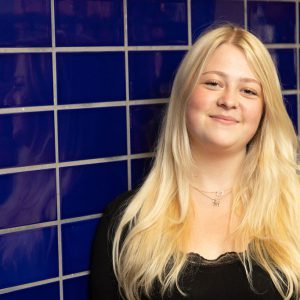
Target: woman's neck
<point x="215" y="172"/>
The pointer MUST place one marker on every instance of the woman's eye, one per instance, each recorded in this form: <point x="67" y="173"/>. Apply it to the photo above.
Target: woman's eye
<point x="250" y="92"/>
<point x="212" y="83"/>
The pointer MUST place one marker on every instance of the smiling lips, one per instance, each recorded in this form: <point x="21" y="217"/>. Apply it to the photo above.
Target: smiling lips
<point x="224" y="119"/>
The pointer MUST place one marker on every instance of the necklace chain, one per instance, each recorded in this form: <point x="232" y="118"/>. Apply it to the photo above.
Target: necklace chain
<point x="218" y="195"/>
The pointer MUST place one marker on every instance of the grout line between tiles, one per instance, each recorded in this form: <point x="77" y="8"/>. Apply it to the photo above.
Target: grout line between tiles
<point x="28" y="227"/>
<point x="79" y="219"/>
<point x="289" y="92"/>
<point x="75" y="275"/>
<point x="128" y="139"/>
<point x="27" y="285"/>
<point x="91" y="49"/>
<point x="14" y="170"/>
<point x="58" y="212"/>
<point x="49" y="224"/>
<point x="42" y="282"/>
<point x="189" y="22"/>
<point x="29" y="109"/>
<point x="245" y="15"/>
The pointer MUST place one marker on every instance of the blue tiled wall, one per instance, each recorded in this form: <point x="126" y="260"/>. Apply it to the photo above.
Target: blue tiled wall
<point x="83" y="87"/>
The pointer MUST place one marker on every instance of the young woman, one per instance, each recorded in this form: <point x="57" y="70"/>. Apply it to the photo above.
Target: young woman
<point x="218" y="217"/>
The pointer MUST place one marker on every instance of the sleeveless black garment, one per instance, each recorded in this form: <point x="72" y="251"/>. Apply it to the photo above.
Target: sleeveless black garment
<point x="221" y="279"/>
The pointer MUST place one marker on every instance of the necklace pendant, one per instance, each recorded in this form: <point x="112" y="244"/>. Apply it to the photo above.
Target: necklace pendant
<point x="216" y="202"/>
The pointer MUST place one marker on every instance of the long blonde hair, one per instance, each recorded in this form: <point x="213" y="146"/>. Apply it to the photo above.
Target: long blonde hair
<point x="154" y="229"/>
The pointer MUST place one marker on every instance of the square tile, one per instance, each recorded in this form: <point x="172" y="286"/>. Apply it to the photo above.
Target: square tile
<point x="157" y="22"/>
<point x="273" y="21"/>
<point x="151" y="73"/>
<point x="92" y="133"/>
<point x="28" y="256"/>
<point x="25" y="23"/>
<point x="26" y="79"/>
<point x="90" y="77"/>
<point x="27" y="198"/>
<point x="26" y="139"/>
<point x="87" y="189"/>
<point x="89" y="23"/>
<point x="206" y="13"/>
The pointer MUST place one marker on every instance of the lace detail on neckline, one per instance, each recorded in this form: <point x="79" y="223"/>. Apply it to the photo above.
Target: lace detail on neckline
<point x="225" y="258"/>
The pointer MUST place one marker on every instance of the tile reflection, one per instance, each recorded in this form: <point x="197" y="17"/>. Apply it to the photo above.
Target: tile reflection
<point x="273" y="22"/>
<point x="26" y="139"/>
<point x="157" y="22"/>
<point x="151" y="73"/>
<point x="28" y="256"/>
<point x="25" y="79"/>
<point x="89" y="23"/>
<point x="205" y="12"/>
<point x="25" y="23"/>
<point x="27" y="198"/>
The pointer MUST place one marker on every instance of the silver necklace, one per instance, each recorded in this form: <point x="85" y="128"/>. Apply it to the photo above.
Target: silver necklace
<point x="217" y="195"/>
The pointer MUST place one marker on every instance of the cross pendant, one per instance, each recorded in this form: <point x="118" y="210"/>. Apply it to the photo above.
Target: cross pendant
<point x="216" y="202"/>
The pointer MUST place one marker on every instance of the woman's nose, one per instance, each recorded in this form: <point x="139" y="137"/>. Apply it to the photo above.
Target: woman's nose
<point x="228" y="98"/>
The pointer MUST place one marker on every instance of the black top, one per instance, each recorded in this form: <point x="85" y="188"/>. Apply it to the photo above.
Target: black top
<point x="222" y="278"/>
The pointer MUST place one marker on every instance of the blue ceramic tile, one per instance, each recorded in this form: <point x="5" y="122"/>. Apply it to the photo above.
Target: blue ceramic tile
<point x="273" y="22"/>
<point x="87" y="189"/>
<point x="76" y="288"/>
<point x="89" y="23"/>
<point x="157" y="22"/>
<point x="92" y="133"/>
<point x="90" y="77"/>
<point x="28" y="256"/>
<point x="46" y="292"/>
<point x="26" y="79"/>
<point x="26" y="139"/>
<point x="145" y="121"/>
<point x="151" y="73"/>
<point x="77" y="241"/>
<point x="139" y="170"/>
<point x="25" y="23"/>
<point x="27" y="198"/>
<point x="285" y="60"/>
<point x="292" y="109"/>
<point x="208" y="12"/>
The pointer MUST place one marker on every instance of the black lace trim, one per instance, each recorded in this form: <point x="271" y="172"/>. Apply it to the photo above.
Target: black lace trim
<point x="225" y="258"/>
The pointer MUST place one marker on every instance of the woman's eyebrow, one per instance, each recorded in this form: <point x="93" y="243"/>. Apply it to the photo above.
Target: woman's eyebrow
<point x="244" y="79"/>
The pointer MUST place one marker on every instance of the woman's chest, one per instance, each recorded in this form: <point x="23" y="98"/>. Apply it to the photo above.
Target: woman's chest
<point x="225" y="281"/>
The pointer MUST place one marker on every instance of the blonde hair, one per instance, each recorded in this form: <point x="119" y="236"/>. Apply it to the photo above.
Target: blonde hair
<point x="151" y="237"/>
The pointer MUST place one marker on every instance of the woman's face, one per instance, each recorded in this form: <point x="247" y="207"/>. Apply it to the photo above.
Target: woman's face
<point x="226" y="105"/>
